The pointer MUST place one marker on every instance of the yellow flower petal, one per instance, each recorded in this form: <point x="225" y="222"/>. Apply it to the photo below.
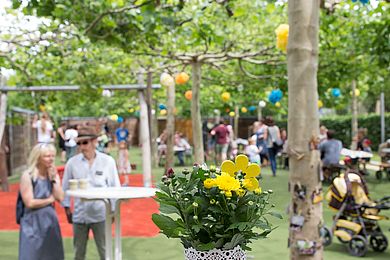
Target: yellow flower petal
<point x="253" y="170"/>
<point x="241" y="162"/>
<point x="228" y="167"/>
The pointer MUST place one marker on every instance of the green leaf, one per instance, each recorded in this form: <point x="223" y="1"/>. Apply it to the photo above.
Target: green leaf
<point x="237" y="239"/>
<point x="275" y="214"/>
<point x="168" y="226"/>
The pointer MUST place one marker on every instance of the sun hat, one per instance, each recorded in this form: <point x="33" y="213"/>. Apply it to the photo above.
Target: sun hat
<point x="87" y="132"/>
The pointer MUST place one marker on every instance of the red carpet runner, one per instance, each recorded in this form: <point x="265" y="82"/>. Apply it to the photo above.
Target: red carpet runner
<point x="136" y="214"/>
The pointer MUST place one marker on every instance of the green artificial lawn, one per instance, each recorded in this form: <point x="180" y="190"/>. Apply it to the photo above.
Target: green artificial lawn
<point x="275" y="247"/>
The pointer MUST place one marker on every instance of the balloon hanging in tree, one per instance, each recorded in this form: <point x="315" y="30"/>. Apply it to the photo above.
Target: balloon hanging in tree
<point x="277" y="104"/>
<point x="336" y="92"/>
<point x="120" y="119"/>
<point x="252" y="108"/>
<point x="166" y="80"/>
<point x="188" y="94"/>
<point x="244" y="110"/>
<point x="275" y="96"/>
<point x="162" y="106"/>
<point x="182" y="78"/>
<point x="282" y="37"/>
<point x="163" y="112"/>
<point x="225" y="96"/>
<point x="232" y="114"/>
<point x="114" y="117"/>
<point x="320" y="104"/>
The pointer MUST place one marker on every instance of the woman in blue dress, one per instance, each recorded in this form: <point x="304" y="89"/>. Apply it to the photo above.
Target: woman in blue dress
<point x="40" y="234"/>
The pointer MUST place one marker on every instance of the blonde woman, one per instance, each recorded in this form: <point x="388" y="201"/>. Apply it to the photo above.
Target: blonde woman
<point x="44" y="128"/>
<point x="40" y="234"/>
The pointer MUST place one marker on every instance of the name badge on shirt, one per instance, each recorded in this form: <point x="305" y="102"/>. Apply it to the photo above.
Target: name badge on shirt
<point x="100" y="173"/>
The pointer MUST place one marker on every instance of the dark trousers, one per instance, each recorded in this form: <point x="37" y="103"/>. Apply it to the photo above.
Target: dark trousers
<point x="80" y="239"/>
<point x="272" y="158"/>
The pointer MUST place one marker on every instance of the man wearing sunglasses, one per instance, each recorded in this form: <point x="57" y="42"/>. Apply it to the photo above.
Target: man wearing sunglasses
<point x="100" y="171"/>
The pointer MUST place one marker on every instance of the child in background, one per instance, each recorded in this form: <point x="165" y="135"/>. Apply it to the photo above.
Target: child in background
<point x="123" y="162"/>
<point x="253" y="151"/>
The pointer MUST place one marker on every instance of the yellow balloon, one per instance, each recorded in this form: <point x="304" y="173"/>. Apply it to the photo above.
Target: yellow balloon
<point x="277" y="104"/>
<point x="232" y="114"/>
<point x="244" y="110"/>
<point x="114" y="117"/>
<point x="225" y="96"/>
<point x="163" y="112"/>
<point x="357" y="92"/>
<point x="320" y="104"/>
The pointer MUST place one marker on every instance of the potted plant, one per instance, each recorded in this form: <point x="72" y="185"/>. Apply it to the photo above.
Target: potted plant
<point x="215" y="212"/>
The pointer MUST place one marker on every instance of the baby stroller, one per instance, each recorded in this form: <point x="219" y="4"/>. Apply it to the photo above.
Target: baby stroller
<point x="356" y="222"/>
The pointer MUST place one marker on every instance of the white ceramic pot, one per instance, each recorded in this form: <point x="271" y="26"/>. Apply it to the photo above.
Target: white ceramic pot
<point x="215" y="254"/>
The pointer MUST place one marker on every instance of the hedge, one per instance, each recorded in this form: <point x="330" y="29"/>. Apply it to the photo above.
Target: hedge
<point x="342" y="127"/>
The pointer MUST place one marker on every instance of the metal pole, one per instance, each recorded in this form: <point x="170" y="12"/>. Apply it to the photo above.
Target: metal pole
<point x="382" y="112"/>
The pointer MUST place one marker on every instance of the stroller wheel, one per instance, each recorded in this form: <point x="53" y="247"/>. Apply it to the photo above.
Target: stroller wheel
<point x="378" y="242"/>
<point x="326" y="236"/>
<point x="378" y="175"/>
<point x="357" y="246"/>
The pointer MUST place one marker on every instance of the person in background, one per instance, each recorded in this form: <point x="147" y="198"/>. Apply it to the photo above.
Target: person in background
<point x="44" y="128"/>
<point x="260" y="129"/>
<point x="361" y="137"/>
<point x="274" y="142"/>
<point x="103" y="141"/>
<point x="123" y="163"/>
<point x="283" y="136"/>
<point x="70" y="141"/>
<point x="252" y="150"/>
<point x="322" y="136"/>
<point x="101" y="172"/>
<point x="385" y="156"/>
<point x="61" y="141"/>
<point x="40" y="234"/>
<point x="221" y="134"/>
<point x="330" y="149"/>
<point x="180" y="147"/>
<point x="121" y="133"/>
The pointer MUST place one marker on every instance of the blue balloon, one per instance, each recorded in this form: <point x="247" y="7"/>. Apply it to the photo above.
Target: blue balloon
<point x="252" y="108"/>
<point x="162" y="106"/>
<point x="336" y="92"/>
<point x="120" y="119"/>
<point x="275" y="96"/>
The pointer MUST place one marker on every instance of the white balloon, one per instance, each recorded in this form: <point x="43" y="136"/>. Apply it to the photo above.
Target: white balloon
<point x="262" y="103"/>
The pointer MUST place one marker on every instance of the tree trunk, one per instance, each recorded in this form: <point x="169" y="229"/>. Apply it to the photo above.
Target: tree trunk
<point x="144" y="135"/>
<point x="170" y="126"/>
<point x="354" y="117"/>
<point x="153" y="134"/>
<point x="195" y="113"/>
<point x="3" y="155"/>
<point x="303" y="123"/>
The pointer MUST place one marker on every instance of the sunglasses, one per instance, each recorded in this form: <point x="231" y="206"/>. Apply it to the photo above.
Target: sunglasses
<point x="83" y="142"/>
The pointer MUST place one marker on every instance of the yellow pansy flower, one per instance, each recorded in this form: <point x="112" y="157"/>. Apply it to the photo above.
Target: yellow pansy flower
<point x="240" y="192"/>
<point x="241" y="164"/>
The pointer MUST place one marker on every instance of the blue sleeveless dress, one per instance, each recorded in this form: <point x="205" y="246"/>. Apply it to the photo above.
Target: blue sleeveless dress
<point x="40" y="234"/>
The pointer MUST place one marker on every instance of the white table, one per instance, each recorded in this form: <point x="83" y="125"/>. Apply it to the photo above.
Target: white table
<point x="118" y="194"/>
<point x="355" y="154"/>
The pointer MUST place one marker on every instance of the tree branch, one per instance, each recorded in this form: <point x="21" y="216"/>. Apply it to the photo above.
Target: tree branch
<point x="113" y="11"/>
<point x="247" y="73"/>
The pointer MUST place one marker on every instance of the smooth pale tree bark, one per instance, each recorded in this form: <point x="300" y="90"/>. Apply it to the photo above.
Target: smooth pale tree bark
<point x="303" y="123"/>
<point x="354" y="117"/>
<point x="144" y="135"/>
<point x="170" y="157"/>
<point x="3" y="113"/>
<point x="195" y="113"/>
<point x="153" y="134"/>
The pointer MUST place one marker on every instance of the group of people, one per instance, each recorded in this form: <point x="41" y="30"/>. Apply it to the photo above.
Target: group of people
<point x="181" y="146"/>
<point x="40" y="186"/>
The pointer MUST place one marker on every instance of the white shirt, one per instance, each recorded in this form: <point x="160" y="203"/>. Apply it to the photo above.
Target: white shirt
<point x="70" y="137"/>
<point x="101" y="174"/>
<point x="44" y="136"/>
